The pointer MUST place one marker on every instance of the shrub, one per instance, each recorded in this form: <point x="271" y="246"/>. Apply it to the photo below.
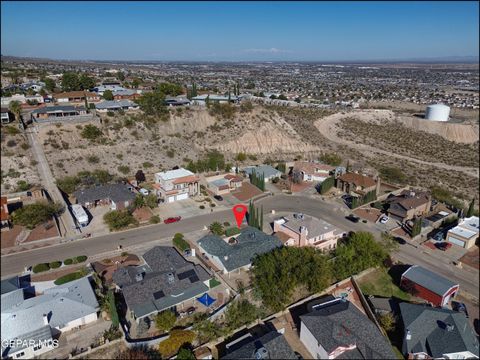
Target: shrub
<point x="202" y="207"/>
<point x="11" y="143"/>
<point x="110" y="113"/>
<point x="22" y="185"/>
<point x="232" y="231"/>
<point x="180" y="243"/>
<point x="165" y="320"/>
<point x="41" y="268"/>
<point x="170" y="153"/>
<point x="212" y="205"/>
<point x="68" y="261"/>
<point x="25" y="146"/>
<point x="91" y="132"/>
<point x="155" y="219"/>
<point x="55" y="264"/>
<point x="147" y="164"/>
<point x="331" y="159"/>
<point x="119" y="219"/>
<point x="34" y="214"/>
<point x="92" y="159"/>
<point x="124" y="169"/>
<point x="175" y="341"/>
<point x="69" y="277"/>
<point x="226" y="224"/>
<point x="81" y="258"/>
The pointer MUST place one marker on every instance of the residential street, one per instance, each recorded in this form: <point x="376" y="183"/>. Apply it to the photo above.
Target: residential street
<point x="408" y="254"/>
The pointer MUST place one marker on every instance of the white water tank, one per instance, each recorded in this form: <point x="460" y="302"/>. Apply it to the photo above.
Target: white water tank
<point x="437" y="112"/>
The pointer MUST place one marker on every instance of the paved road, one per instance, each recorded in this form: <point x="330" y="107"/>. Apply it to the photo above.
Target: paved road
<point x="15" y="263"/>
<point x="48" y="183"/>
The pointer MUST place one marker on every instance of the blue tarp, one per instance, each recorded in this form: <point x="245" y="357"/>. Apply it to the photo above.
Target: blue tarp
<point x="206" y="299"/>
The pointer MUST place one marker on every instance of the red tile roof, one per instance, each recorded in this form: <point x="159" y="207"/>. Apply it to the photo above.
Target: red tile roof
<point x="358" y="179"/>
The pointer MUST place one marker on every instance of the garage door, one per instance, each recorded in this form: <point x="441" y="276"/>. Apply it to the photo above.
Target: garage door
<point x="456" y="241"/>
<point x="182" y="196"/>
<point x="171" y="199"/>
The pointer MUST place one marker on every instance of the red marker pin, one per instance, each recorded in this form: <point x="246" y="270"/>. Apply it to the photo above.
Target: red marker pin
<point x="239" y="211"/>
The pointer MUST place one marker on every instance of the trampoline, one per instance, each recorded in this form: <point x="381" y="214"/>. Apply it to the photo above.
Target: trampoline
<point x="206" y="299"/>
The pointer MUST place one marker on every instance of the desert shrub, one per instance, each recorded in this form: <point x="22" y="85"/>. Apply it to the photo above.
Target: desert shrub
<point x="202" y="207"/>
<point x="93" y="159"/>
<point x="41" y="268"/>
<point x="123" y="169"/>
<point x="155" y="219"/>
<point x="81" y="258"/>
<point x="331" y="159"/>
<point x="68" y="261"/>
<point x="55" y="264"/>
<point x="11" y="143"/>
<point x="22" y="185"/>
<point x="147" y="164"/>
<point x="91" y="132"/>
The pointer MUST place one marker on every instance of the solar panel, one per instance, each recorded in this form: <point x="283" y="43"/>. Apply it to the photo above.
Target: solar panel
<point x="186" y="274"/>
<point x="194" y="278"/>
<point x="158" y="295"/>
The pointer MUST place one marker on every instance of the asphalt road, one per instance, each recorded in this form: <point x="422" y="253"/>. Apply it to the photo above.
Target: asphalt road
<point x="408" y="254"/>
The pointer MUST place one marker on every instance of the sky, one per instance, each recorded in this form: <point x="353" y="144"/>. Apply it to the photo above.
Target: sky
<point x="240" y="31"/>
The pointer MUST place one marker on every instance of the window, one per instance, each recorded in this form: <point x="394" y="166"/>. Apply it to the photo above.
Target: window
<point x="20" y="354"/>
<point x="38" y="347"/>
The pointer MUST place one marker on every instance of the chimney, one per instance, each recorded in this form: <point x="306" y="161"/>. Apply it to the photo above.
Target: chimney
<point x="303" y="235"/>
<point x="45" y="319"/>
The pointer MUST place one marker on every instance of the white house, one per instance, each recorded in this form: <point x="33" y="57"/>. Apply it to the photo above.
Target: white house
<point x="465" y="234"/>
<point x="174" y="185"/>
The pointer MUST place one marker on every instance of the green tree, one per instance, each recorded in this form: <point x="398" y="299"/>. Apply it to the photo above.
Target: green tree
<point x="153" y="103"/>
<point x="113" y="308"/>
<point x="140" y="176"/>
<point x="165" y="320"/>
<point x="185" y="354"/>
<point x="70" y="82"/>
<point x="207" y="330"/>
<point x="34" y="214"/>
<point x="241" y="157"/>
<point x="108" y="95"/>
<point x="151" y="201"/>
<point x="326" y="185"/>
<point x="120" y="76"/>
<point x="16" y="108"/>
<point x="216" y="228"/>
<point x="169" y="89"/>
<point x="471" y="208"/>
<point x="387" y="322"/>
<point x="86" y="82"/>
<point x="331" y="159"/>
<point x="50" y="85"/>
<point x="240" y="313"/>
<point x="175" y="341"/>
<point x="417" y="226"/>
<point x="119" y="219"/>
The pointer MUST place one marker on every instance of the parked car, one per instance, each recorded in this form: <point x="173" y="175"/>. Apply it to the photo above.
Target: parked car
<point x="353" y="218"/>
<point x="218" y="197"/>
<point x="172" y="220"/>
<point x="144" y="192"/>
<point x="438" y="236"/>
<point x="400" y="240"/>
<point x="190" y="310"/>
<point x="384" y="220"/>
<point x="444" y="246"/>
<point x="461" y="307"/>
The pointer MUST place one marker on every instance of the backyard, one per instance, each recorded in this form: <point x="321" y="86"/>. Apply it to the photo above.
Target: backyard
<point x="380" y="283"/>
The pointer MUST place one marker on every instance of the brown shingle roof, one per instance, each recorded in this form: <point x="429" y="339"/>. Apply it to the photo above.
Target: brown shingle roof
<point x="310" y="167"/>
<point x="74" y="94"/>
<point x="357" y="179"/>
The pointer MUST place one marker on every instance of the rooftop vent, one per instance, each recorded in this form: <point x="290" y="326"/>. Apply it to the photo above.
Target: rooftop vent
<point x="225" y="257"/>
<point x="139" y="277"/>
<point x="449" y="327"/>
<point x="171" y="278"/>
<point x="408" y="336"/>
<point x="261" y="353"/>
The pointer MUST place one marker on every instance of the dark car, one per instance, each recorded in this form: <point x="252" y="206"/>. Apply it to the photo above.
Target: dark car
<point x="460" y="307"/>
<point x="444" y="246"/>
<point x="353" y="218"/>
<point x="172" y="219"/>
<point x="218" y="197"/>
<point x="400" y="240"/>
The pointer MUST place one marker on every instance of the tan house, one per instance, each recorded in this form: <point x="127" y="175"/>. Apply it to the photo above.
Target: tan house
<point x="174" y="185"/>
<point x="409" y="204"/>
<point x="305" y="230"/>
<point x="465" y="234"/>
<point x="311" y="171"/>
<point x="76" y="97"/>
<point x="357" y="184"/>
<point x="223" y="184"/>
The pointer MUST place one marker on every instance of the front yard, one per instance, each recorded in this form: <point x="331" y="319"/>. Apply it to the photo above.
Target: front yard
<point x="380" y="283"/>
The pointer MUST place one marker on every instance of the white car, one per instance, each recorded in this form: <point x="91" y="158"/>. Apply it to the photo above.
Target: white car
<point x="144" y="192"/>
<point x="384" y="220"/>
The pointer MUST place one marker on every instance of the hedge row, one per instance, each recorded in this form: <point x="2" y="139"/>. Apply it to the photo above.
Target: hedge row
<point x="180" y="242"/>
<point x="69" y="277"/>
<point x="232" y="231"/>
<point x="56" y="264"/>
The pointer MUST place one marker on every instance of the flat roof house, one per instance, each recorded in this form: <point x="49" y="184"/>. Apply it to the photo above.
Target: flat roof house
<point x="409" y="204"/>
<point x="174" y="185"/>
<point x="166" y="281"/>
<point x="465" y="234"/>
<point x="428" y="285"/>
<point x="432" y="333"/>
<point x="272" y="345"/>
<point x="116" y="105"/>
<point x="305" y="230"/>
<point x="118" y="196"/>
<point x="269" y="172"/>
<point x="357" y="184"/>
<point x="337" y="329"/>
<point x="76" y="97"/>
<point x="59" y="309"/>
<point x="237" y="254"/>
<point x="60" y="111"/>
<point x="311" y="171"/>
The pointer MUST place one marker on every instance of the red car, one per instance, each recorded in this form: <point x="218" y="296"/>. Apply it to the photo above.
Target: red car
<point x="172" y="219"/>
<point x="444" y="246"/>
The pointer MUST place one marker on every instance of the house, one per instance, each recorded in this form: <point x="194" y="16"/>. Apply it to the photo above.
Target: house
<point x="409" y="204"/>
<point x="428" y="285"/>
<point x="41" y="318"/>
<point x="335" y="328"/>
<point x="223" y="184"/>
<point x="126" y="94"/>
<point x="76" y="97"/>
<point x="305" y="230"/>
<point x="116" y="105"/>
<point x="174" y="185"/>
<point x="60" y="111"/>
<point x="112" y="87"/>
<point x="238" y="253"/>
<point x="166" y="281"/>
<point x="267" y="171"/>
<point x="118" y="196"/>
<point x="465" y="234"/>
<point x="6" y="116"/>
<point x="177" y="101"/>
<point x="432" y="333"/>
<point x="4" y="214"/>
<point x="311" y="171"/>
<point x="221" y="99"/>
<point x="357" y="184"/>
<point x="272" y="345"/>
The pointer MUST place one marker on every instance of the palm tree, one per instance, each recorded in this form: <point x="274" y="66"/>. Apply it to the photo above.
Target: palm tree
<point x="16" y="108"/>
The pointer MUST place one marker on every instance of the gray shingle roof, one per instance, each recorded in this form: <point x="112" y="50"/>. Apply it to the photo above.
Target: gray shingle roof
<point x="115" y="104"/>
<point x="429" y="333"/>
<point x="273" y="341"/>
<point x="41" y="334"/>
<point x="114" y="192"/>
<point x="153" y="291"/>
<point x="340" y="323"/>
<point x="266" y="170"/>
<point x="59" y="108"/>
<point x="428" y="279"/>
<point x="250" y="243"/>
<point x="10" y="284"/>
